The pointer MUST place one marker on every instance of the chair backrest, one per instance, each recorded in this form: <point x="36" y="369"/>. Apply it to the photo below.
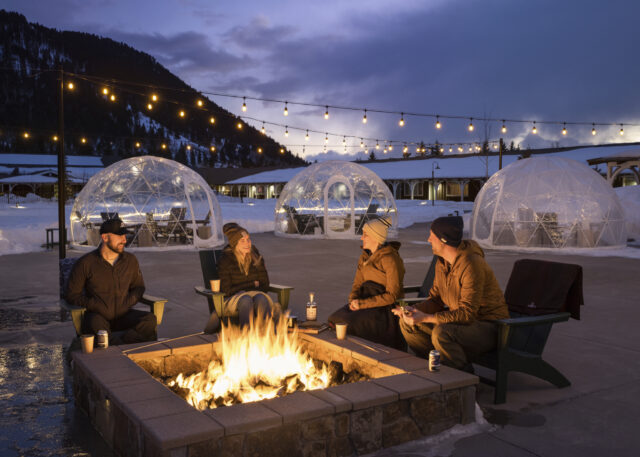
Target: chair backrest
<point x="209" y="259"/>
<point x="428" y="279"/>
<point x="66" y="265"/>
<point x="372" y="209"/>
<point x="107" y="215"/>
<point x="538" y="287"/>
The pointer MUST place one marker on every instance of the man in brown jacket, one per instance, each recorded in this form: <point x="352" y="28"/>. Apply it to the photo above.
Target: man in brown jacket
<point x="464" y="298"/>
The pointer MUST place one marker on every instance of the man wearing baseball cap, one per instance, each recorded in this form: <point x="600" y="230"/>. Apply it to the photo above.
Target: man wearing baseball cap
<point x="464" y="298"/>
<point x="108" y="283"/>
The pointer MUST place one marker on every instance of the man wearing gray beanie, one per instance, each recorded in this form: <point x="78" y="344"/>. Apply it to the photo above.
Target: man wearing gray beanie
<point x="465" y="297"/>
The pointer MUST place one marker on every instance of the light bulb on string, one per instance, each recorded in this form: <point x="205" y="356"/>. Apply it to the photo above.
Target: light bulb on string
<point x="286" y="109"/>
<point x="137" y="144"/>
<point x="281" y="150"/>
<point x="212" y="120"/>
<point x="259" y="150"/>
<point x="621" y="130"/>
<point x="244" y="104"/>
<point x="405" y="149"/>
<point x="199" y="103"/>
<point x="105" y="91"/>
<point x="112" y="98"/>
<point x="326" y="112"/>
<point x="26" y="135"/>
<point x="55" y="138"/>
<point x="438" y="124"/>
<point x="401" y="121"/>
<point x="149" y="106"/>
<point x="163" y="146"/>
<point x="377" y="145"/>
<point x="154" y="97"/>
<point x="326" y="138"/>
<point x="460" y="149"/>
<point x="212" y="149"/>
<point x="470" y="150"/>
<point x="534" y="130"/>
<point x="364" y="118"/>
<point x="181" y="113"/>
<point x="441" y="149"/>
<point x="450" y="149"/>
<point x="390" y="147"/>
<point x="83" y="140"/>
<point x="470" y="127"/>
<point x="495" y="145"/>
<point x="593" y="130"/>
<point x="564" y="129"/>
<point x="306" y="137"/>
<point x="384" y="150"/>
<point x="504" y="127"/>
<point x="188" y="147"/>
<point x="361" y="143"/>
<point x="344" y="140"/>
<point x="70" y="85"/>
<point x="286" y="130"/>
<point x="239" y="125"/>
<point x="263" y="130"/>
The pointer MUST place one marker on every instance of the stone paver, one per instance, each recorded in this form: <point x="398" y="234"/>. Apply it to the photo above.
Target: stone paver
<point x="448" y="378"/>
<point x="181" y="429"/>
<point x="244" y="418"/>
<point x="339" y="403"/>
<point x="407" y="385"/>
<point x="165" y="405"/>
<point x="299" y="406"/>
<point x="364" y="394"/>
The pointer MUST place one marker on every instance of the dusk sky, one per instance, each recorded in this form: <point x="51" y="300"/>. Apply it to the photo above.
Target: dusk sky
<point x="543" y="60"/>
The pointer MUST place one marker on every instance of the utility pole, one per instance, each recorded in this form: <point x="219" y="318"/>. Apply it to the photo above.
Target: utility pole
<point x="500" y="154"/>
<point x="62" y="175"/>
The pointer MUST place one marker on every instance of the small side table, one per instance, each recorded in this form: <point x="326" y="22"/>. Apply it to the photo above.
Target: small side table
<point x="51" y="243"/>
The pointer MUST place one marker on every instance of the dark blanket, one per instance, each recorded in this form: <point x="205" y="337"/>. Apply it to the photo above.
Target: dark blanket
<point x="379" y="324"/>
<point x="538" y="287"/>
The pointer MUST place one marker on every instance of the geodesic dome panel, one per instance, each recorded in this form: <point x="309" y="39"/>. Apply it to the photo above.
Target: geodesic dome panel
<point x="333" y="199"/>
<point x="547" y="202"/>
<point x="163" y="202"/>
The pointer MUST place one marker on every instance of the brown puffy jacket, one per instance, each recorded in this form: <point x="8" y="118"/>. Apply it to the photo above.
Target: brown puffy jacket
<point x="468" y="287"/>
<point x="384" y="267"/>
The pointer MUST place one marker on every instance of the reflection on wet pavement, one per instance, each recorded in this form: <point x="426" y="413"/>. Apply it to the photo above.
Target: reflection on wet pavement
<point x="37" y="412"/>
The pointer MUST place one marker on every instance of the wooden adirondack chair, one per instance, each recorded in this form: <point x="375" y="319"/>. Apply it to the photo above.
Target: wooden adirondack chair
<point x="521" y="338"/>
<point x="77" y="313"/>
<point x="209" y="264"/>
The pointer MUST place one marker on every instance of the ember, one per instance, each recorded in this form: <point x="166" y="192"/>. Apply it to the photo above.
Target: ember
<point x="257" y="362"/>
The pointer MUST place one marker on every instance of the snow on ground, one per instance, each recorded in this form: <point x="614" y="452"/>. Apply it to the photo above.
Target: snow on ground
<point x="22" y="225"/>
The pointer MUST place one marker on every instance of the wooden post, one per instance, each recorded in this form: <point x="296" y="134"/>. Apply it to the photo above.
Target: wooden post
<point x="62" y="229"/>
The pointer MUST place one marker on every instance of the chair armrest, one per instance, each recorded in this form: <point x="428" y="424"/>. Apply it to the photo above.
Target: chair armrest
<point x="76" y="313"/>
<point x="283" y="294"/>
<point x="533" y="320"/>
<point x="156" y="304"/>
<point x="216" y="297"/>
<point x="411" y="289"/>
<point x="409" y="301"/>
<point x="207" y="292"/>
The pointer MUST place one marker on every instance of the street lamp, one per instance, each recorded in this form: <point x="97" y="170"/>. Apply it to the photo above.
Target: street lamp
<point x="434" y="166"/>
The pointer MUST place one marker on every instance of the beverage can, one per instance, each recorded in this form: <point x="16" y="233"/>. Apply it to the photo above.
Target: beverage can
<point x="312" y="312"/>
<point x="434" y="360"/>
<point x="102" y="339"/>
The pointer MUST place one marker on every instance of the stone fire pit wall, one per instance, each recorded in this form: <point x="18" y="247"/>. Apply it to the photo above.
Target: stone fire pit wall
<point x="138" y="416"/>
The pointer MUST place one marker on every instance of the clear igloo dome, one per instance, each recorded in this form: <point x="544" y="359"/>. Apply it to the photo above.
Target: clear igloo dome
<point x="333" y="199"/>
<point x="163" y="202"/>
<point x="547" y="202"/>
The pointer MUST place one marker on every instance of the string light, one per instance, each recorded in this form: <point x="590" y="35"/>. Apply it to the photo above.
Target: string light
<point x="105" y="90"/>
<point x="213" y="149"/>
<point x="364" y="118"/>
<point x="306" y="137"/>
<point x="199" y="103"/>
<point x="70" y="86"/>
<point x="450" y="149"/>
<point x="112" y="98"/>
<point x="263" y="130"/>
<point x="149" y="106"/>
<point x="164" y="146"/>
<point x="239" y="125"/>
<point x="377" y="145"/>
<point x="286" y="130"/>
<point x="564" y="129"/>
<point x="401" y="121"/>
<point x="470" y="149"/>
<point x="441" y="149"/>
<point x="460" y="149"/>
<point x="259" y="150"/>
<point x="344" y="140"/>
<point x="188" y="147"/>
<point x="621" y="130"/>
<point x="326" y="138"/>
<point x="55" y="138"/>
<point x="534" y="130"/>
<point x="212" y="120"/>
<point x="26" y="135"/>
<point x="83" y="140"/>
<point x="137" y="144"/>
<point x="504" y="127"/>
<point x="390" y="147"/>
<point x="244" y="104"/>
<point x="181" y="113"/>
<point x="438" y="124"/>
<point x="281" y="150"/>
<point x="470" y="125"/>
<point x="593" y="130"/>
<point x="286" y="109"/>
<point x="154" y="97"/>
<point x="405" y="149"/>
<point x="361" y="143"/>
<point x="326" y="112"/>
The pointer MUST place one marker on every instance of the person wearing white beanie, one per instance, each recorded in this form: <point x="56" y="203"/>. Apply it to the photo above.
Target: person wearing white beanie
<point x="376" y="287"/>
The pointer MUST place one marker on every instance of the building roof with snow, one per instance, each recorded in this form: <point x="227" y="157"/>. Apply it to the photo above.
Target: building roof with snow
<point x="82" y="167"/>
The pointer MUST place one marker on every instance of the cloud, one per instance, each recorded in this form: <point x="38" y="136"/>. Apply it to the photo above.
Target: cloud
<point x="259" y="33"/>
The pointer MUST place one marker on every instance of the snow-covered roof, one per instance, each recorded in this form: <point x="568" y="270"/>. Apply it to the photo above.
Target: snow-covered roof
<point x="43" y="177"/>
<point x="451" y="167"/>
<point x="48" y="160"/>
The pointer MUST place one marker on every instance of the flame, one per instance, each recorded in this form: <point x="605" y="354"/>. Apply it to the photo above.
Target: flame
<point x="260" y="361"/>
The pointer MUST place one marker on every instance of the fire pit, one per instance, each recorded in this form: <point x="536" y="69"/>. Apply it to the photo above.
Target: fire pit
<point x="139" y="416"/>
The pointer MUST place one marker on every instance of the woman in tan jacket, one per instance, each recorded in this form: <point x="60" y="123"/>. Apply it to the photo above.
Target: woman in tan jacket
<point x="376" y="287"/>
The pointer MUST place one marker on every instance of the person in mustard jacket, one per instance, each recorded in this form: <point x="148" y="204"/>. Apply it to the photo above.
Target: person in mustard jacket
<point x="376" y="287"/>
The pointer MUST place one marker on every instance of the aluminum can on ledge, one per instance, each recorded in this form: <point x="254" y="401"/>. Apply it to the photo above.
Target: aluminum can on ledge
<point x="434" y="360"/>
<point x="102" y="339"/>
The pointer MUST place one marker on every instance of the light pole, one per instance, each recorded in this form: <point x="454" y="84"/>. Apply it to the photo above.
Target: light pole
<point x="434" y="166"/>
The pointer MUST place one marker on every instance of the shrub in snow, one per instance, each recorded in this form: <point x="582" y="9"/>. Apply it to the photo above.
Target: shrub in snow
<point x="548" y="202"/>
<point x="333" y="199"/>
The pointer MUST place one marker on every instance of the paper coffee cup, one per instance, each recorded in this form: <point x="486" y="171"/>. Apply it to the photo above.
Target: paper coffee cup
<point x="341" y="331"/>
<point x="215" y="285"/>
<point x="87" y="343"/>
